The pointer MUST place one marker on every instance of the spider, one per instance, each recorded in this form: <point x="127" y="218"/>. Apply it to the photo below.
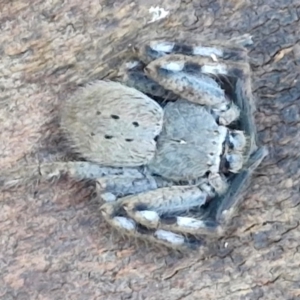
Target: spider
<point x="171" y="146"/>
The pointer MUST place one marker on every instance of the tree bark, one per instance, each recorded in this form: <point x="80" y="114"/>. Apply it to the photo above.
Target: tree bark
<point x="54" y="242"/>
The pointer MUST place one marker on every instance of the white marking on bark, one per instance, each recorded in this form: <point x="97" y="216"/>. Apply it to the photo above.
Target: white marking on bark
<point x="157" y="13"/>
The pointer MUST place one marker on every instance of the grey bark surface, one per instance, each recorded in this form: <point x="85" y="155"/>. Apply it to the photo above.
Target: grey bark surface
<point x="54" y="243"/>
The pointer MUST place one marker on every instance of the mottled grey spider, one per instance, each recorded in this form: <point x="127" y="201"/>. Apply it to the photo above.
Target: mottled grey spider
<point x="171" y="147"/>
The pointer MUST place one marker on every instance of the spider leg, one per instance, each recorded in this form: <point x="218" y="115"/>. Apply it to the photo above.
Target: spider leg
<point x="78" y="170"/>
<point x="53" y="171"/>
<point x="223" y="206"/>
<point x="148" y="207"/>
<point x="190" y="76"/>
<point x="231" y="200"/>
<point x="226" y="50"/>
<point x="245" y="101"/>
<point x="111" y="182"/>
<point x="128" y="183"/>
<point x="142" y="214"/>
<point x="129" y="227"/>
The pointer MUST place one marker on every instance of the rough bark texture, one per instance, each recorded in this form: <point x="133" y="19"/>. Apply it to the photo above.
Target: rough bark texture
<point x="54" y="243"/>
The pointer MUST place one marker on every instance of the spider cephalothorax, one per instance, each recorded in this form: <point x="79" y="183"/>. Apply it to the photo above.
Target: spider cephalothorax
<point x="174" y="139"/>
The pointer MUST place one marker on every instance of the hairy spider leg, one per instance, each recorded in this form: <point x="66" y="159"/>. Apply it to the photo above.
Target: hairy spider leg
<point x="183" y="226"/>
<point x="154" y="215"/>
<point x="191" y="77"/>
<point x="155" y="49"/>
<point x="141" y="215"/>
